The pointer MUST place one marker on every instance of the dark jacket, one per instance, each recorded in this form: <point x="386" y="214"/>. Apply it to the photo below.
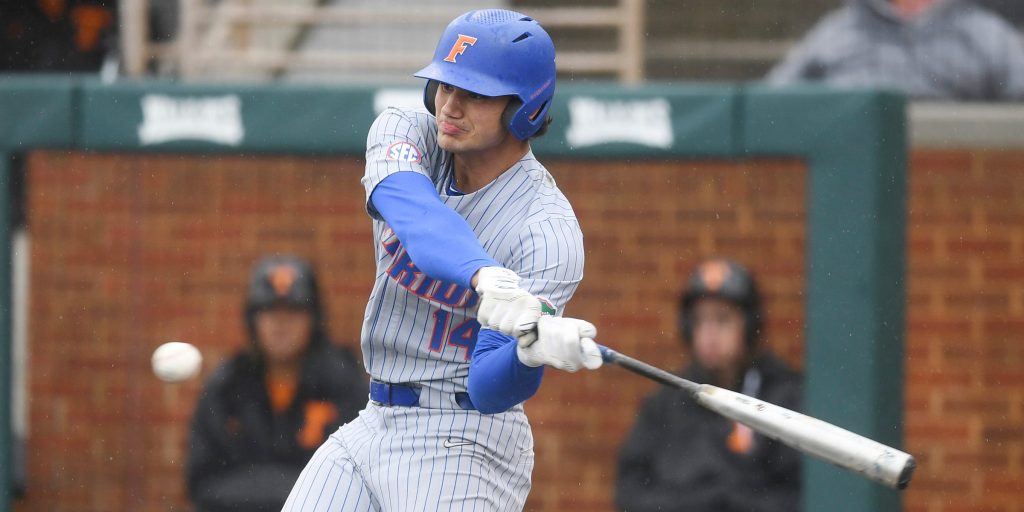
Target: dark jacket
<point x="77" y="38"/>
<point x="243" y="456"/>
<point x="677" y="458"/>
<point x="955" y="51"/>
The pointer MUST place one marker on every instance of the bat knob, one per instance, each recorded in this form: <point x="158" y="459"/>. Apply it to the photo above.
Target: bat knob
<point x="607" y="354"/>
<point x="908" y="472"/>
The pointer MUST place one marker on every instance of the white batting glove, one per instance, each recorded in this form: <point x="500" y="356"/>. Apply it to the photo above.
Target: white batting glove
<point x="504" y="306"/>
<point x="562" y="343"/>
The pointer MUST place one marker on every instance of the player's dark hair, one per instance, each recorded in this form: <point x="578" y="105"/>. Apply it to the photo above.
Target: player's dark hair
<point x="543" y="128"/>
<point x="513" y="107"/>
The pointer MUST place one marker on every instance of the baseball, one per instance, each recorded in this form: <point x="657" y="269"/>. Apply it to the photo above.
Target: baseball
<point x="176" y="361"/>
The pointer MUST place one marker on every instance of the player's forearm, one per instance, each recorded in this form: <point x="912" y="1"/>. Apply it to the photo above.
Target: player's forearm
<point x="437" y="238"/>
<point x="497" y="379"/>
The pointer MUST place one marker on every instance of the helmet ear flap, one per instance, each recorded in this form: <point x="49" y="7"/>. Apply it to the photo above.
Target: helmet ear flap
<point x="524" y="124"/>
<point x="429" y="93"/>
<point x="511" y="109"/>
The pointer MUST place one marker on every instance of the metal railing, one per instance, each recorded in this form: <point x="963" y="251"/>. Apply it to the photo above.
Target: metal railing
<point x="223" y="37"/>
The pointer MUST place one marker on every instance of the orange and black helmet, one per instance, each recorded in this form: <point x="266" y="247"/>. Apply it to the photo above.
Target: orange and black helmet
<point x="727" y="280"/>
<point x="283" y="280"/>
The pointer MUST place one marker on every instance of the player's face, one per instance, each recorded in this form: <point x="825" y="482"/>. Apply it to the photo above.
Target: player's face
<point x="718" y="334"/>
<point x="283" y="333"/>
<point x="468" y="122"/>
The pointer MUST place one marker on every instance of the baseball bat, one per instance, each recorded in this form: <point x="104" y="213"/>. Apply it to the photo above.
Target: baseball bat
<point x="871" y="459"/>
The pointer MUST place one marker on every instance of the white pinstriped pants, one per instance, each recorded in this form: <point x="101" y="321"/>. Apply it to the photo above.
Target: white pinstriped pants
<point x="393" y="459"/>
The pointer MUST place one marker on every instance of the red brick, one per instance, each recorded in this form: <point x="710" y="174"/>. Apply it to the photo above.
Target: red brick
<point x="932" y="161"/>
<point x="985" y="403"/>
<point x="996" y="272"/>
<point x="931" y="377"/>
<point x="992" y="301"/>
<point x="972" y="506"/>
<point x="945" y="485"/>
<point x="925" y="327"/>
<point x="1005" y="484"/>
<point x="980" y="246"/>
<point x="1005" y="377"/>
<point x="949" y="431"/>
<point x="1003" y="434"/>
<point x="1012" y="218"/>
<point x="986" y="459"/>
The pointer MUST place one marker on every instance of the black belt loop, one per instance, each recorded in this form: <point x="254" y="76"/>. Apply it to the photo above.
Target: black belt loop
<point x="464" y="401"/>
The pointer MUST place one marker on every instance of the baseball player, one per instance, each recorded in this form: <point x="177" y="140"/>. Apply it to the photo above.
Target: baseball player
<point x="470" y="232"/>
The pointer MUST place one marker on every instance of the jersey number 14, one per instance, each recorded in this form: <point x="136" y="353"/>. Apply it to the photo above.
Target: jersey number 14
<point x="461" y="336"/>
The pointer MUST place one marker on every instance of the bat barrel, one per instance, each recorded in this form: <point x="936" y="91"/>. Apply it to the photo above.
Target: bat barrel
<point x="874" y="460"/>
<point x="871" y="459"/>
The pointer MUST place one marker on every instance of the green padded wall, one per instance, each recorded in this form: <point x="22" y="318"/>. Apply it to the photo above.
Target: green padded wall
<point x="36" y="111"/>
<point x="855" y="144"/>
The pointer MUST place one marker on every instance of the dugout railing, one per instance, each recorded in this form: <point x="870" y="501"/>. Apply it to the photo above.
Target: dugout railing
<point x="225" y="36"/>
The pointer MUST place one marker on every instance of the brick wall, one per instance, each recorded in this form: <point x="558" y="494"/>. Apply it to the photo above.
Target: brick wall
<point x="965" y="352"/>
<point x="130" y="251"/>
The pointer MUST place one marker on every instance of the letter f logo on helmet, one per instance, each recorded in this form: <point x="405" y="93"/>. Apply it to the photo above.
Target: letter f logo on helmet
<point x="460" y="46"/>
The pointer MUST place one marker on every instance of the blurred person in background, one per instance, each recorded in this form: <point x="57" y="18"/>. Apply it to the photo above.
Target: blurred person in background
<point x="1011" y="10"/>
<point x="682" y="457"/>
<point x="265" y="411"/>
<point x="949" y="50"/>
<point x="56" y="35"/>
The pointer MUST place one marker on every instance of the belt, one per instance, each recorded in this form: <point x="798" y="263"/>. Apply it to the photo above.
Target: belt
<point x="407" y="395"/>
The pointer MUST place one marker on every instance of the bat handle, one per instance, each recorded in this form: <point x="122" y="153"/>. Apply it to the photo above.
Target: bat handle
<point x="607" y="355"/>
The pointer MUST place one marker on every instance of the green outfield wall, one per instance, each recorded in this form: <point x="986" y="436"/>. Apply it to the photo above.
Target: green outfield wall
<point x="853" y="141"/>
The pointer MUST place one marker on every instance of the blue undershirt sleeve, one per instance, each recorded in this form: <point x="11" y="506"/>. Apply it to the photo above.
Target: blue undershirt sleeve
<point x="498" y="380"/>
<point x="437" y="238"/>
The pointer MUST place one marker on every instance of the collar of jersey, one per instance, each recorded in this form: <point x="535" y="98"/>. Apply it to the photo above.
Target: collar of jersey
<point x="452" y="191"/>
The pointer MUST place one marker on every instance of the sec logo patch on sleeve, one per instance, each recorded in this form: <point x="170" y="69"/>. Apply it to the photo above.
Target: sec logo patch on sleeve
<point x="403" y="152"/>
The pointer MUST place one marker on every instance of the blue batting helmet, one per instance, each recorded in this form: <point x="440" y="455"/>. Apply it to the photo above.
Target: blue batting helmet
<point x="496" y="52"/>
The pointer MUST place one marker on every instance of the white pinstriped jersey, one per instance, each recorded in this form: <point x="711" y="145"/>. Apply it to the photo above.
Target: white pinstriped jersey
<point x="418" y="329"/>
